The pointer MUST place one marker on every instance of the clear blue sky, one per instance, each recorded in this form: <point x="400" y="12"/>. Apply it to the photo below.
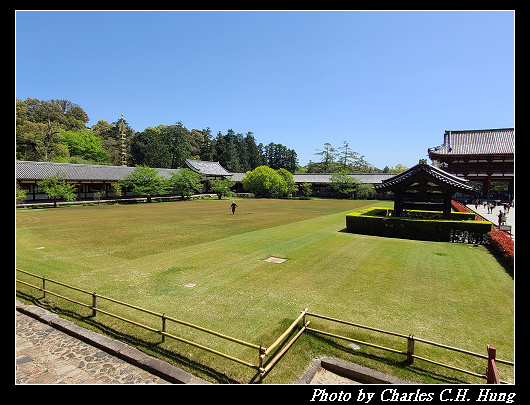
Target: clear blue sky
<point x="389" y="83"/>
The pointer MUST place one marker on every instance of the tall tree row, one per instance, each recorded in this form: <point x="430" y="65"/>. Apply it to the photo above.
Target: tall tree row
<point x="55" y="130"/>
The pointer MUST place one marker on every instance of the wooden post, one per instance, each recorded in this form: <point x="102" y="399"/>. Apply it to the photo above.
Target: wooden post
<point x="261" y="370"/>
<point x="492" y="376"/>
<point x="163" y="326"/>
<point x="447" y="206"/>
<point x="44" y="286"/>
<point x="94" y="304"/>
<point x="410" y="349"/>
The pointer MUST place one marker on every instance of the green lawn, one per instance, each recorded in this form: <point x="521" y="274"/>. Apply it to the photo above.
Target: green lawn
<point x="146" y="253"/>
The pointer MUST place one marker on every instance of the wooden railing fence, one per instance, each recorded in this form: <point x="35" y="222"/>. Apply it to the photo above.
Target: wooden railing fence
<point x="262" y="366"/>
<point x="491" y="374"/>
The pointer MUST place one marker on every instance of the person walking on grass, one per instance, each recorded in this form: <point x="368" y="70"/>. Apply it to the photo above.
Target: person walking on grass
<point x="233" y="207"/>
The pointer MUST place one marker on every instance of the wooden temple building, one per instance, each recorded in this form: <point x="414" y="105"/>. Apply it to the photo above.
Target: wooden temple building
<point x="99" y="178"/>
<point x="424" y="187"/>
<point x="482" y="156"/>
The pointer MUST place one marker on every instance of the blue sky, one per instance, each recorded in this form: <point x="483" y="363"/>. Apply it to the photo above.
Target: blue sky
<point x="389" y="83"/>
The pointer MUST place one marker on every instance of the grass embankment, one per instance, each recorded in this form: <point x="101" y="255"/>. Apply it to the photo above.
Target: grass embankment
<point x="145" y="254"/>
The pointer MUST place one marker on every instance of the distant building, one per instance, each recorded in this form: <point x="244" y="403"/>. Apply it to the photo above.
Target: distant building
<point x="92" y="178"/>
<point x="484" y="156"/>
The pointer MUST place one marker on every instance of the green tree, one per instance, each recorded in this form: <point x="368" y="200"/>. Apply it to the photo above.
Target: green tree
<point x="305" y="189"/>
<point x="343" y="184"/>
<point x="180" y="143"/>
<point x="328" y="155"/>
<point x="85" y="145"/>
<point x="145" y="182"/>
<point x="207" y="148"/>
<point x="110" y="137"/>
<point x="399" y="168"/>
<point x="38" y="124"/>
<point x="290" y="186"/>
<point x="150" y="148"/>
<point x="264" y="181"/>
<point x="255" y="154"/>
<point x="185" y="182"/>
<point x="56" y="187"/>
<point x="365" y="192"/>
<point x="20" y="194"/>
<point x="115" y="189"/>
<point x="347" y="156"/>
<point x="221" y="187"/>
<point x="279" y="156"/>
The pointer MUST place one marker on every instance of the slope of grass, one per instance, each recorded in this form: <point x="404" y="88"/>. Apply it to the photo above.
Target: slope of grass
<point x="145" y="254"/>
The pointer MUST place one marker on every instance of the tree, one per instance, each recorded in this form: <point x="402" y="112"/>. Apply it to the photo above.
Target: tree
<point x="20" y="194"/>
<point x="365" y="192"/>
<point x="347" y="156"/>
<point x="84" y="144"/>
<point x="38" y="124"/>
<point x="230" y="157"/>
<point x="207" y="148"/>
<point x="185" y="182"/>
<point x="150" y="148"/>
<point x="221" y="187"/>
<point x="343" y="184"/>
<point x="305" y="189"/>
<point x="399" y="168"/>
<point x="290" y="186"/>
<point x="145" y="182"/>
<point x="56" y="187"/>
<point x="279" y="156"/>
<point x="255" y="154"/>
<point x="328" y="157"/>
<point x="179" y="143"/>
<point x="110" y="137"/>
<point x="264" y="181"/>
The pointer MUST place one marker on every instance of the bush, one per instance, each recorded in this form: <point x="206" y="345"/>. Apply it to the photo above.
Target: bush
<point x="365" y="192"/>
<point x="503" y="244"/>
<point x="269" y="183"/>
<point x="375" y="221"/>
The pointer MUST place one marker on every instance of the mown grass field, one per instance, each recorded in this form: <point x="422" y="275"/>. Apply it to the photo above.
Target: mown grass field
<point x="145" y="254"/>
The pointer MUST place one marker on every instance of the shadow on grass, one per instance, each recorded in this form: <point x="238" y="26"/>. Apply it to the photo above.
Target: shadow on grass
<point x="149" y="347"/>
<point x="502" y="261"/>
<point x="396" y="364"/>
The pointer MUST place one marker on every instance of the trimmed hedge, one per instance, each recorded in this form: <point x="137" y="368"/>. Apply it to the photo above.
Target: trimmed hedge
<point x="375" y="221"/>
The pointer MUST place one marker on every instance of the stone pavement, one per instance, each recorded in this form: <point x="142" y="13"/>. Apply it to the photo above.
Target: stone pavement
<point x="53" y="350"/>
<point x="510" y="216"/>
<point x="45" y="355"/>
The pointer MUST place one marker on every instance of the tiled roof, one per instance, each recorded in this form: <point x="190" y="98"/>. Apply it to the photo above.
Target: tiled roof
<point x="437" y="173"/>
<point x="207" y="168"/>
<point x="476" y="142"/>
<point x="29" y="170"/>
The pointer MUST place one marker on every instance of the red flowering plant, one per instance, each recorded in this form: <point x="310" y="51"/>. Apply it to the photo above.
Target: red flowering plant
<point x="461" y="208"/>
<point x="503" y="244"/>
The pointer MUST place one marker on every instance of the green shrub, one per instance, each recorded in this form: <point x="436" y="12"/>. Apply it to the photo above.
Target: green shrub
<point x="376" y="221"/>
